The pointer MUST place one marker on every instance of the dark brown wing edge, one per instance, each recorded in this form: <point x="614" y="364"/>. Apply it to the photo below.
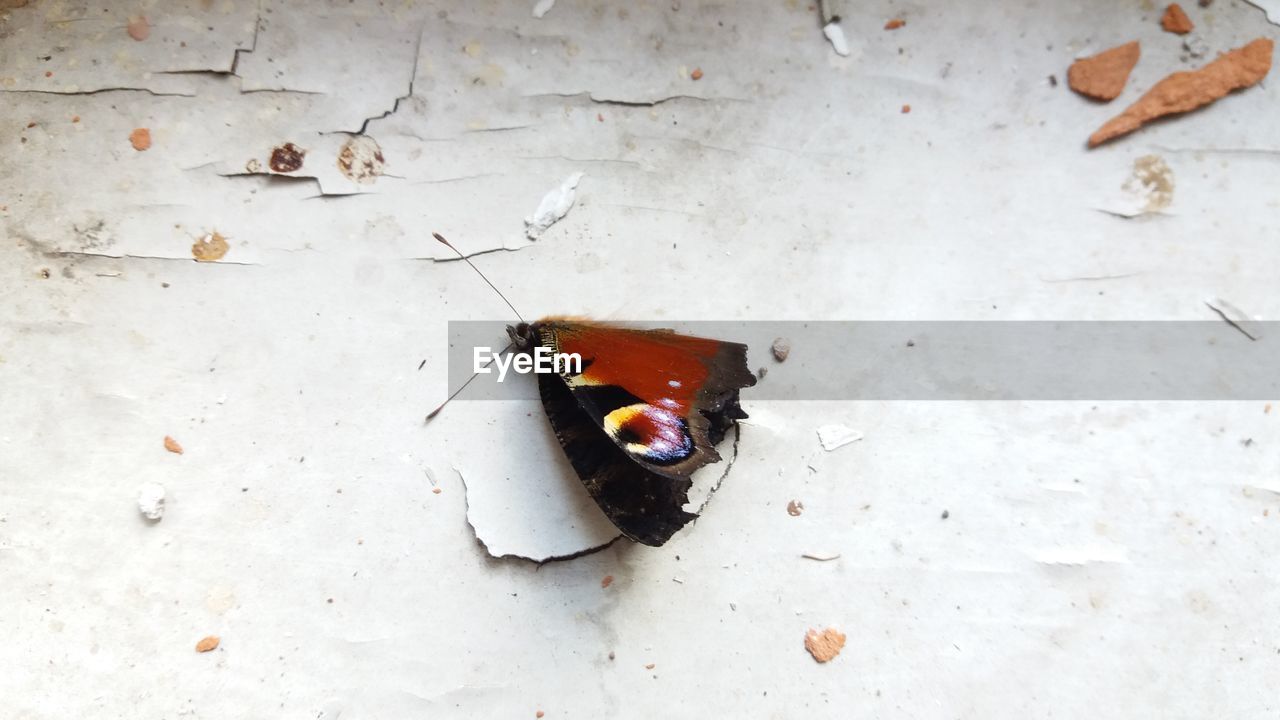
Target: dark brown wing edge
<point x="645" y="506"/>
<point x="715" y="409"/>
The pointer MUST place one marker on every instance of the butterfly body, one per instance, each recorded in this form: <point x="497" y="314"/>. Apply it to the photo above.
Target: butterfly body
<point x="644" y="411"/>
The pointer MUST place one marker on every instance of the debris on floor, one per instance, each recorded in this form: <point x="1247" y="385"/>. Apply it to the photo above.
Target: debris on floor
<point x="1175" y="20"/>
<point x="834" y="437"/>
<point x="1103" y="76"/>
<point x="172" y="445"/>
<point x="781" y="349"/>
<point x="140" y="139"/>
<point x="795" y="508"/>
<point x="821" y="557"/>
<point x="542" y="7"/>
<point x="139" y="29"/>
<point x="894" y="24"/>
<point x="151" y="501"/>
<point x="696" y="74"/>
<point x="1185" y="91"/>
<point x="554" y="206"/>
<point x="210" y="247"/>
<point x="824" y="646"/>
<point x="836" y="36"/>
<point x="606" y="581"/>
<point x="207" y="643"/>
<point x="906" y="109"/>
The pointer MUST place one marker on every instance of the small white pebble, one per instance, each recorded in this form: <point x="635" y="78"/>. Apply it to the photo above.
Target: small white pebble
<point x="151" y="501"/>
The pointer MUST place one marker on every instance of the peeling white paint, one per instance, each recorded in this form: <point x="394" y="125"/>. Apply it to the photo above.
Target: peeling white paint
<point x="834" y="437"/>
<point x="835" y="34"/>
<point x="554" y="206"/>
<point x="543" y="7"/>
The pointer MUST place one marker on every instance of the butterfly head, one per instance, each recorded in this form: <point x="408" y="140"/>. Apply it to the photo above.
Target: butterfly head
<point x="522" y="335"/>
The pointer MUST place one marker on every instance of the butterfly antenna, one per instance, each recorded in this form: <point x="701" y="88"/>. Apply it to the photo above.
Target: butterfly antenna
<point x="467" y="260"/>
<point x="510" y="346"/>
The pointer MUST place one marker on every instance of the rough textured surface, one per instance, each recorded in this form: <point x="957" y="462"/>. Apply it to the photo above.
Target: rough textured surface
<point x="1175" y="20"/>
<point x="1104" y="75"/>
<point x="783" y="185"/>
<point x="1185" y="91"/>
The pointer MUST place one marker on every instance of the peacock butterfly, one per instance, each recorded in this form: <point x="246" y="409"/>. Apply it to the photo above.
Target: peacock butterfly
<point x="641" y="413"/>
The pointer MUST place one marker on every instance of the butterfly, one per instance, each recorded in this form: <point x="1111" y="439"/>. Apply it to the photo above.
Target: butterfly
<point x="638" y="415"/>
<point x="646" y="410"/>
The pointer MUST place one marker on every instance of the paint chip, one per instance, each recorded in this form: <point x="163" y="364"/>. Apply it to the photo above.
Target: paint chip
<point x="172" y="445"/>
<point x="606" y="581"/>
<point x="834" y="437"/>
<point x="139" y="29"/>
<point x="210" y="248"/>
<point x="541" y="8"/>
<point x="1185" y="91"/>
<point x="825" y="645"/>
<point x="1103" y="76"/>
<point x="554" y="206"/>
<point x="781" y="349"/>
<point x="696" y="74"/>
<point x="207" y="643"/>
<point x="835" y="35"/>
<point x="894" y="24"/>
<point x="140" y="138"/>
<point x="151" y="501"/>
<point x="1175" y="20"/>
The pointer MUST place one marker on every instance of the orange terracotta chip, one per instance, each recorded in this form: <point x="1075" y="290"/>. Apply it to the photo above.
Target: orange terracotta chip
<point x="825" y="645"/>
<point x="139" y="29"/>
<point x="1185" y="91"/>
<point x="207" y="643"/>
<point x="696" y="74"/>
<point x="172" y="445"/>
<point x="1176" y="21"/>
<point x="894" y="24"/>
<point x="140" y="139"/>
<point x="606" y="581"/>
<point x="1104" y="75"/>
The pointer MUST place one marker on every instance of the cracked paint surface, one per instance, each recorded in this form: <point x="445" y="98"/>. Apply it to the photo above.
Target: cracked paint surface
<point x="785" y="184"/>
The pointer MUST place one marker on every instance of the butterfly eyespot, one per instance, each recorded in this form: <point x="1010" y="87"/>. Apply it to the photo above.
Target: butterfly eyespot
<point x="652" y="433"/>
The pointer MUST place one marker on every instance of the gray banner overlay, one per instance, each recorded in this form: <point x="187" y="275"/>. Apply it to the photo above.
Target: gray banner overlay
<point x="892" y="360"/>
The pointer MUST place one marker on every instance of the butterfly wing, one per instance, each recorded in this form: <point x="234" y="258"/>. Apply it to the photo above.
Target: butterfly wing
<point x="646" y="507"/>
<point x="663" y="399"/>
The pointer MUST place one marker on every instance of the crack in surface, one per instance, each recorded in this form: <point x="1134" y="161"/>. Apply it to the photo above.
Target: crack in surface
<point x="413" y="75"/>
<point x="102" y="90"/>
<point x="630" y="103"/>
